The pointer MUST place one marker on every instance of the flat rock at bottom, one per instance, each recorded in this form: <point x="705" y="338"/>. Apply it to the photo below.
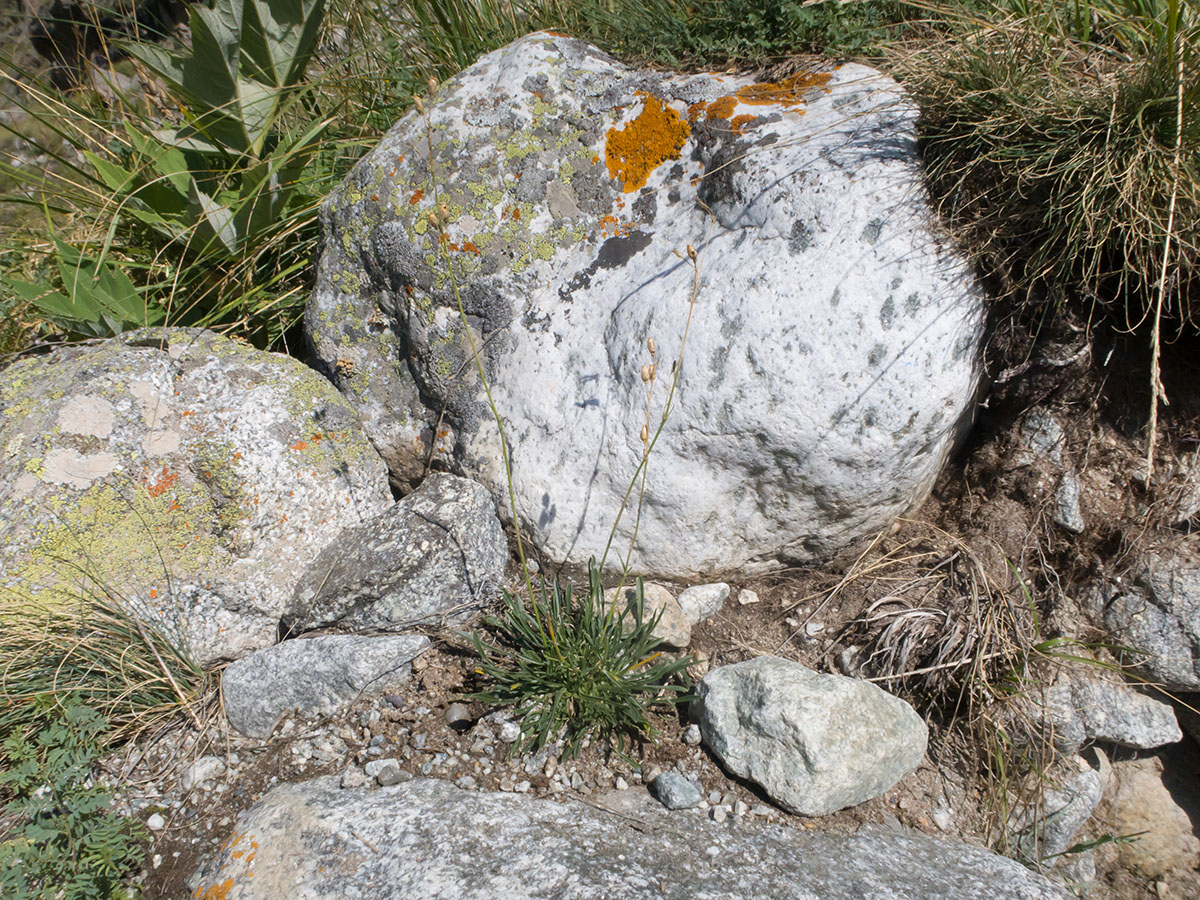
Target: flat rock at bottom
<point x="425" y="838"/>
<point x="816" y="743"/>
<point x="314" y="676"/>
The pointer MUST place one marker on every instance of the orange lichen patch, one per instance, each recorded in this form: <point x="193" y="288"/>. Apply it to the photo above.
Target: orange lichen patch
<point x="695" y="109"/>
<point x="611" y="226"/>
<point x="165" y="481"/>
<point x="655" y="136"/>
<point x="416" y="197"/>
<point x="469" y="247"/>
<point x="787" y="93"/>
<point x="299" y="445"/>
<point x="721" y="108"/>
<point x="737" y="123"/>
<point x="215" y="891"/>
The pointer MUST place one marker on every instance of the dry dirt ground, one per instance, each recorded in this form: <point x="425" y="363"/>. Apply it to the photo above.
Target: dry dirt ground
<point x="944" y="609"/>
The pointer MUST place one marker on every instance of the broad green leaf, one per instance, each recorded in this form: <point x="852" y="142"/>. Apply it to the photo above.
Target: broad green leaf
<point x="114" y="177"/>
<point x="278" y="38"/>
<point x="259" y="105"/>
<point x="77" y="314"/>
<point x="217" y="217"/>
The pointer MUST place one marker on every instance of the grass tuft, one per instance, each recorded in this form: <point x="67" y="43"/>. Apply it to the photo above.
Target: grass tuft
<point x="579" y="666"/>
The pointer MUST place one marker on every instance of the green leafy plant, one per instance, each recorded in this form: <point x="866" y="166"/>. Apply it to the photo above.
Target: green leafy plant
<point x="62" y="838"/>
<point x="575" y="664"/>
<point x="201" y="201"/>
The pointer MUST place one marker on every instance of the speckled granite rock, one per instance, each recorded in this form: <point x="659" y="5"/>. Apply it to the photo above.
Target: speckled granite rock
<point x="431" y="558"/>
<point x="1156" y="609"/>
<point x="314" y="677"/>
<point x="428" y="839"/>
<point x="191" y="475"/>
<point x="816" y="743"/>
<point x="831" y="355"/>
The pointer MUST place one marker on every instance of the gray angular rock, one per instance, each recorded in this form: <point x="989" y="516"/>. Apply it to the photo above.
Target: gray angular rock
<point x="432" y="557"/>
<point x="815" y="743"/>
<point x="1080" y="707"/>
<point x="674" y="791"/>
<point x="188" y="475"/>
<point x="314" y="677"/>
<point x="1075" y="787"/>
<point x="702" y="601"/>
<point x="1157" y="610"/>
<point x="832" y="352"/>
<point x="428" y="839"/>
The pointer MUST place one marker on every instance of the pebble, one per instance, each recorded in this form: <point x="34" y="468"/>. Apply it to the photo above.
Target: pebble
<point x="510" y="732"/>
<point x="718" y="814"/>
<point x="714" y="797"/>
<point x="691" y="735"/>
<point x="375" y="766"/>
<point x="353" y="777"/>
<point x="577" y="781"/>
<point x="203" y="769"/>
<point x="426" y="768"/>
<point x="674" y="791"/>
<point x="747" y="596"/>
<point x="392" y="775"/>
<point x="418" y="741"/>
<point x="156" y="860"/>
<point x="702" y="601"/>
<point x="458" y="716"/>
<point x="621" y="784"/>
<point x="156" y="822"/>
<point x="740" y="808"/>
<point x="467" y="783"/>
<point x="522" y="787"/>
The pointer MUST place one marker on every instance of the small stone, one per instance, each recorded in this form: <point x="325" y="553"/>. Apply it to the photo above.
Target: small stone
<point x="522" y="787"/>
<point x="621" y="784"/>
<point x="703" y="601"/>
<point x="814" y="628"/>
<point x="418" y="741"/>
<point x="156" y="860"/>
<point x="202" y="770"/>
<point x="691" y="735"/>
<point x="156" y="822"/>
<point x="458" y="716"/>
<point x="740" y="808"/>
<point x="394" y="700"/>
<point x="942" y="817"/>
<point x="718" y="814"/>
<point x="647" y="776"/>
<point x="714" y="797"/>
<point x="577" y="782"/>
<point x="392" y="775"/>
<point x="747" y="596"/>
<point x="467" y="783"/>
<point x="426" y="768"/>
<point x="506" y="784"/>
<point x="375" y="766"/>
<point x="353" y="777"/>
<point x="510" y="732"/>
<point x="674" y="791"/>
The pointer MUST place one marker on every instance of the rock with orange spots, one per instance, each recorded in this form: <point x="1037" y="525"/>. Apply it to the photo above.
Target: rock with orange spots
<point x="832" y="349"/>
<point x="431" y="840"/>
<point x="314" y="677"/>
<point x="186" y="475"/>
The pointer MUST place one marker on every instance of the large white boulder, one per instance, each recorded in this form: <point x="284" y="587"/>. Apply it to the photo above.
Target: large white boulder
<point x="831" y="352"/>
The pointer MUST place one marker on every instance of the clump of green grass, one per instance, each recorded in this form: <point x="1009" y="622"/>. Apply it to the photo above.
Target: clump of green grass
<point x="1063" y="145"/>
<point x="91" y="650"/>
<point x="576" y="666"/>
<point x="60" y="836"/>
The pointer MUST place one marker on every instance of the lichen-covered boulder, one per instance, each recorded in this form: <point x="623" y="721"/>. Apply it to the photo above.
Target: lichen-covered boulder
<point x="831" y="351"/>
<point x="187" y="475"/>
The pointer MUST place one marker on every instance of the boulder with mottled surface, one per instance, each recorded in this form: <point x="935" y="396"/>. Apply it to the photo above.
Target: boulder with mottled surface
<point x="312" y="677"/>
<point x="185" y="474"/>
<point x="815" y="743"/>
<point x="831" y="352"/>
<point x="434" y="557"/>
<point x="428" y="839"/>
